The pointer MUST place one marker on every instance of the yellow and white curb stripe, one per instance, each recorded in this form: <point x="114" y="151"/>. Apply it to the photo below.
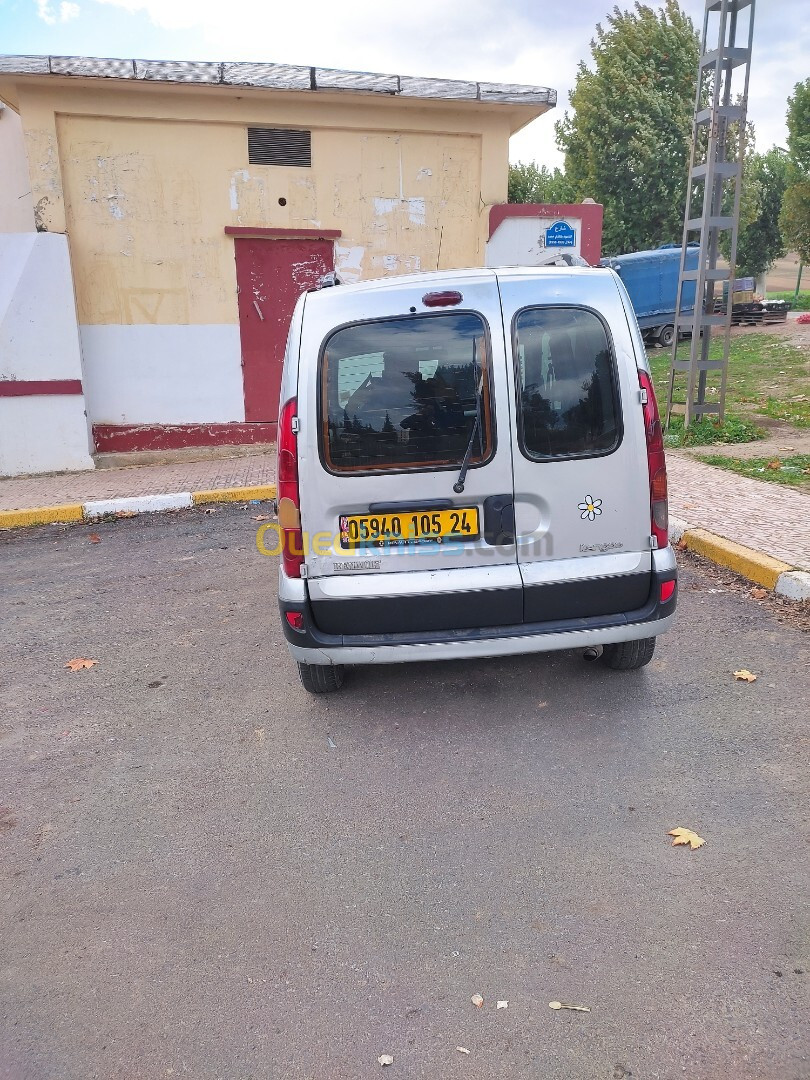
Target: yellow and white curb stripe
<point x="136" y="504"/>
<point x="762" y="569"/>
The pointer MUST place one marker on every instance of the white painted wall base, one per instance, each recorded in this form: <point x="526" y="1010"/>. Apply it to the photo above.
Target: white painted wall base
<point x="39" y="342"/>
<point x="147" y="374"/>
<point x="43" y="434"/>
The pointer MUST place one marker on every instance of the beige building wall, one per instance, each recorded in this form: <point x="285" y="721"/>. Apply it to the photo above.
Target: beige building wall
<point x="16" y="203"/>
<point x="147" y="201"/>
<point x="145" y="178"/>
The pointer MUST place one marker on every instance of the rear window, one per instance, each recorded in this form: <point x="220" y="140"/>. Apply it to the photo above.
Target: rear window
<point x="406" y="394"/>
<point x="567" y="400"/>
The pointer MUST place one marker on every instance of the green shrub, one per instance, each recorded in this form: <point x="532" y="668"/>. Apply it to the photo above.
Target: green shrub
<point x="709" y="430"/>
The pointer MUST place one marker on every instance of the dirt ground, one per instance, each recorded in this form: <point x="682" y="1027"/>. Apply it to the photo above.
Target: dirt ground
<point x="782" y="278"/>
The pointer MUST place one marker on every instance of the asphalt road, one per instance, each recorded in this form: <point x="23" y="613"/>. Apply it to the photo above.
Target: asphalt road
<point x="208" y="873"/>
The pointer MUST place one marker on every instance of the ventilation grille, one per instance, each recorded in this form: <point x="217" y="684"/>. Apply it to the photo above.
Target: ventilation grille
<point x="279" y="146"/>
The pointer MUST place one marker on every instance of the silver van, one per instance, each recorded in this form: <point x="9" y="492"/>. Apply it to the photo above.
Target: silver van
<point x="470" y="464"/>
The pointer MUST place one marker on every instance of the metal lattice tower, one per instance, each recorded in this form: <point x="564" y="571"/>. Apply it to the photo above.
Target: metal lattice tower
<point x="712" y="200"/>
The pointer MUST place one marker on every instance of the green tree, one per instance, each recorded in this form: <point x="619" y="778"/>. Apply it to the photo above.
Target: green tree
<point x="798" y="125"/>
<point x="627" y="140"/>
<point x="760" y="242"/>
<point x="795" y="218"/>
<point x="533" y="183"/>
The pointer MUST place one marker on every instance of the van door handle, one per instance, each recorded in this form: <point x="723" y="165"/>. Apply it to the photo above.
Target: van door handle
<point x="499" y="520"/>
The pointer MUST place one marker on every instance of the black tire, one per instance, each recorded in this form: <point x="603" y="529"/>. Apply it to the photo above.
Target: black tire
<point x="666" y="336"/>
<point x="629" y="655"/>
<point x="321" y="678"/>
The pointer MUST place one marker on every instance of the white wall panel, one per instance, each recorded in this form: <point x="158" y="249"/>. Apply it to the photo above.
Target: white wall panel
<point x="43" y="434"/>
<point x="146" y="374"/>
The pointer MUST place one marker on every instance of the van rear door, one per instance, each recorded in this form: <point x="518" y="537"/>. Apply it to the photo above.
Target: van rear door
<point x="582" y="508"/>
<point x="399" y="382"/>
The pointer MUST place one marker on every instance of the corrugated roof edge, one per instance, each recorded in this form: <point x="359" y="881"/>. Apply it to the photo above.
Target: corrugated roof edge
<point x="278" y="77"/>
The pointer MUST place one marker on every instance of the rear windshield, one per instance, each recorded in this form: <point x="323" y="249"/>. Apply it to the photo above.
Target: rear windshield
<point x="567" y="401"/>
<point x="406" y="393"/>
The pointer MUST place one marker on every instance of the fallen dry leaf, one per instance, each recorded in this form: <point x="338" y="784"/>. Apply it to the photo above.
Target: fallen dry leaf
<point x="262" y="517"/>
<point x="686" y="836"/>
<point x="79" y="663"/>
<point x="462" y="1049"/>
<point x="786" y="449"/>
<point x="744" y="675"/>
<point x="477" y="1000"/>
<point x="502" y="1005"/>
<point x="775" y="464"/>
<point x="95" y="538"/>
<point x="759" y="594"/>
<point x="681" y="545"/>
<point x="126" y="513"/>
<point x="385" y="1059"/>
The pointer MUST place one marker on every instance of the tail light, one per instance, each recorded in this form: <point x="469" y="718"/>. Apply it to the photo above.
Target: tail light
<point x="659" y="515"/>
<point x="289" y="502"/>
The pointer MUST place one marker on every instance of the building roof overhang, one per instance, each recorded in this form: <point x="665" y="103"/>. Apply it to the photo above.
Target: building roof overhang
<point x="282" y="77"/>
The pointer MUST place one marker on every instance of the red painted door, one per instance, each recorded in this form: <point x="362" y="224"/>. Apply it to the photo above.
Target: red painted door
<point x="271" y="275"/>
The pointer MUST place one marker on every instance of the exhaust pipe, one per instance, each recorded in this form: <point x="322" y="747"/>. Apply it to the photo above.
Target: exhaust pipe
<point x="592" y="653"/>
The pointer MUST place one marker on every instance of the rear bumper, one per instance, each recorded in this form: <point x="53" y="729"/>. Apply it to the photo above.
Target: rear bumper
<point x="311" y="646"/>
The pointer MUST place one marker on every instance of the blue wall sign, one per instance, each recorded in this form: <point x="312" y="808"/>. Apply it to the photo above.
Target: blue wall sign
<point x="560" y="234"/>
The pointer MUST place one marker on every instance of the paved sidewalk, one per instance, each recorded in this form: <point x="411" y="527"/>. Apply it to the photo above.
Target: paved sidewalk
<point x="26" y="492"/>
<point x="766" y="517"/>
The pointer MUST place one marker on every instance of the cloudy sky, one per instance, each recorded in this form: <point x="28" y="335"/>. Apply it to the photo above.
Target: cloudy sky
<point x="524" y="41"/>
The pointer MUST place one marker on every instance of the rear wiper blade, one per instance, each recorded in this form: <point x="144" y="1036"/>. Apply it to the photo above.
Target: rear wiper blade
<point x="458" y="487"/>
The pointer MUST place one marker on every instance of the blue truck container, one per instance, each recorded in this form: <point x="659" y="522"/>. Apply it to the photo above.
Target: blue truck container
<point x="651" y="280"/>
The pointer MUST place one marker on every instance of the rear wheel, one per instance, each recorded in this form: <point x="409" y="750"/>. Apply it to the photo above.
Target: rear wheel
<point x="629" y="655"/>
<point x="667" y="336"/>
<point x="321" y="678"/>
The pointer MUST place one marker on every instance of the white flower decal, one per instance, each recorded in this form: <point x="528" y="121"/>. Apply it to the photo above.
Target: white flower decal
<point x="591" y="508"/>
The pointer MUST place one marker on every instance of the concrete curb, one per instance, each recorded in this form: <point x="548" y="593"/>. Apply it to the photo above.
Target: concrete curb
<point x="761" y="569"/>
<point x="136" y="504"/>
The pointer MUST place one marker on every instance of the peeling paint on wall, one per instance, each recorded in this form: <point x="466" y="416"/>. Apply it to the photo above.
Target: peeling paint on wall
<point x="397" y="264"/>
<point x="116" y="211"/>
<point x="244" y="176"/>
<point x="349" y="262"/>
<point x="416" y="211"/>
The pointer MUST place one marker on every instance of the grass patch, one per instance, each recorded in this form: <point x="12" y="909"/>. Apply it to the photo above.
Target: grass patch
<point x="766" y="374"/>
<point x="794" y="471"/>
<point x="710" y="431"/>
<point x="801" y="303"/>
<point x="794" y="411"/>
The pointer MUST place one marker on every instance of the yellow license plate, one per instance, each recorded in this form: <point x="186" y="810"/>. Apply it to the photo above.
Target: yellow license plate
<point x="409" y="527"/>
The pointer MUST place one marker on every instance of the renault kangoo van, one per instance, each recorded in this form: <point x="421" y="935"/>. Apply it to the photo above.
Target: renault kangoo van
<point x="470" y="464"/>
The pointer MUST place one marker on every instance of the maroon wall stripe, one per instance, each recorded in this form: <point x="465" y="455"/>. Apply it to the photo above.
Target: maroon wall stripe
<point x="283" y="234"/>
<point x="31" y="388"/>
<point x="123" y="438"/>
